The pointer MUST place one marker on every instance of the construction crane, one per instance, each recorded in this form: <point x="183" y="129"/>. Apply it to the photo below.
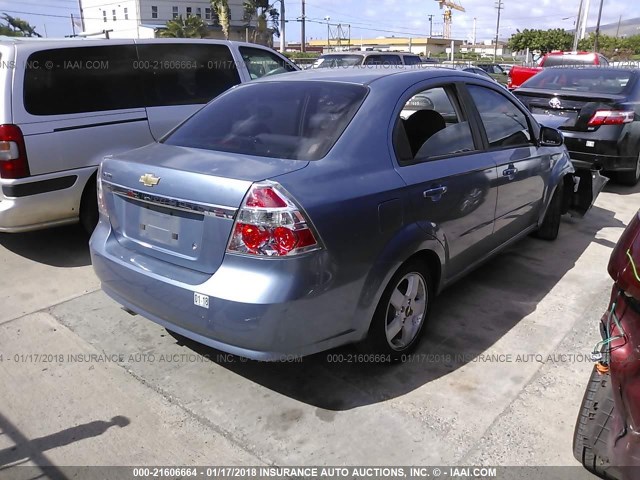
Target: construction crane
<point x="448" y="6"/>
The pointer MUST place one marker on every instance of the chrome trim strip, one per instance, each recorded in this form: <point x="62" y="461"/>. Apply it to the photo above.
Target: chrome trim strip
<point x="199" y="208"/>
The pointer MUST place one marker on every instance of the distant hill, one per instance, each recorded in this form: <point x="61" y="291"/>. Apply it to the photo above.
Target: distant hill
<point x="626" y="28"/>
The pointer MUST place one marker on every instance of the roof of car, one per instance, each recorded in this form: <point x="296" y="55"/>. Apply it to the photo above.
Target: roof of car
<point x="368" y="52"/>
<point x="53" y="42"/>
<point x="365" y="75"/>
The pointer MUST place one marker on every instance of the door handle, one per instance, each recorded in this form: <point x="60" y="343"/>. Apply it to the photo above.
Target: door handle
<point x="435" y="193"/>
<point x="510" y="172"/>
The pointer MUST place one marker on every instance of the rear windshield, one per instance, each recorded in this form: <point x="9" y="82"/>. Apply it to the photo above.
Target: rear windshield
<point x="591" y="80"/>
<point x="333" y="61"/>
<point x="569" y="60"/>
<point x="292" y="120"/>
<point x="383" y="60"/>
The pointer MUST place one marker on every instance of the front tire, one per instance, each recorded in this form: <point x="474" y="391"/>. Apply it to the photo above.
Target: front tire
<point x="402" y="312"/>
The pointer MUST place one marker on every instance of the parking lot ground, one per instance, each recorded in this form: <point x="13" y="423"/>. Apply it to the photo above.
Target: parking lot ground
<point x="497" y="380"/>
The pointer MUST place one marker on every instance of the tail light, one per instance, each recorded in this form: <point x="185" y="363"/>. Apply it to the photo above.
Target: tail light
<point x="624" y="264"/>
<point x="611" y="117"/>
<point x="270" y="223"/>
<point x="13" y="154"/>
<point x="102" y="208"/>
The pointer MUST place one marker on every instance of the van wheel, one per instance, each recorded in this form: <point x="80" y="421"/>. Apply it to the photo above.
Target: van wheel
<point x="592" y="425"/>
<point x="402" y="312"/>
<point x="89" y="206"/>
<point x="630" y="178"/>
<point x="550" y="226"/>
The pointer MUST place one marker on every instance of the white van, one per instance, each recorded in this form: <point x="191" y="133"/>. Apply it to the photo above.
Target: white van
<point x="65" y="104"/>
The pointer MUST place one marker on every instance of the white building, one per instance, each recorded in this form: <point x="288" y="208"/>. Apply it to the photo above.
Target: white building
<point x="142" y="18"/>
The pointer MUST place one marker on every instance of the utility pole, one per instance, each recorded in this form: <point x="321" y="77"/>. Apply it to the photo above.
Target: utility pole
<point x="618" y="29"/>
<point x="585" y="19"/>
<point x="430" y="26"/>
<point x="499" y="6"/>
<point x="475" y="31"/>
<point x="595" y="43"/>
<point x="303" y="37"/>
<point x="328" y="33"/>
<point x="283" y="43"/>
<point x="73" y="25"/>
<point x="576" y="35"/>
<point x="82" y="15"/>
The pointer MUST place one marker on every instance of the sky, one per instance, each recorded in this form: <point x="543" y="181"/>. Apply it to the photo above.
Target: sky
<point x="370" y="19"/>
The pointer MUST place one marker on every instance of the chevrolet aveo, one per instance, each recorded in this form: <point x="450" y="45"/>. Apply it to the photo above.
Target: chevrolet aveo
<point x="310" y="210"/>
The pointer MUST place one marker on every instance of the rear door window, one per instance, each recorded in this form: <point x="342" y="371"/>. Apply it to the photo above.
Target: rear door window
<point x="261" y="63"/>
<point x="185" y="74"/>
<point x="431" y="126"/>
<point x="82" y="79"/>
<point x="290" y="120"/>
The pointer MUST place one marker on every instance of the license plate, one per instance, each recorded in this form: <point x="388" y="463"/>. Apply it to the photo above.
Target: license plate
<point x="570" y="115"/>
<point x="159" y="227"/>
<point x="201" y="300"/>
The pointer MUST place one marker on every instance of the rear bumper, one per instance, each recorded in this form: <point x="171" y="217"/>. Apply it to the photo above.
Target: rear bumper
<point x="267" y="310"/>
<point x="624" y="448"/>
<point x="608" y="153"/>
<point x="42" y="201"/>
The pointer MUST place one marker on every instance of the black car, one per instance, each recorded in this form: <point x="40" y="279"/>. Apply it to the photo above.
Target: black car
<point x="601" y="108"/>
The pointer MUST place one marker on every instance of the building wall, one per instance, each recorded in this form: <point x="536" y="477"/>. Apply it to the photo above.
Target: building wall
<point x="99" y="14"/>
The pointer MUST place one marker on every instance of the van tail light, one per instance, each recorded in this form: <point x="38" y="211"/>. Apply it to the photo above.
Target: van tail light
<point x="13" y="154"/>
<point x="102" y="207"/>
<point x="611" y="117"/>
<point x="270" y="223"/>
<point x="624" y="263"/>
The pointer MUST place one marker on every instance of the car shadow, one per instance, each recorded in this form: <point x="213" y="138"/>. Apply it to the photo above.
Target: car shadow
<point x="58" y="247"/>
<point x="463" y="324"/>
<point x="613" y="187"/>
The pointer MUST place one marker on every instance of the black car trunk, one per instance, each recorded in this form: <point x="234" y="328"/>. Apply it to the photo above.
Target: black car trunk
<point x="576" y="107"/>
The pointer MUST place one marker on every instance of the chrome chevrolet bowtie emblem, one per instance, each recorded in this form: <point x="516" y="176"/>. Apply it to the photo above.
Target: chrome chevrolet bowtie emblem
<point x="555" y="102"/>
<point x="148" y="180"/>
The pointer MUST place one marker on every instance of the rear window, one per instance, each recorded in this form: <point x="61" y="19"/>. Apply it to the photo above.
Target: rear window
<point x="412" y="60"/>
<point x="292" y="120"/>
<point x="569" y="60"/>
<point x="383" y="60"/>
<point x="590" y="80"/>
<point x="333" y="61"/>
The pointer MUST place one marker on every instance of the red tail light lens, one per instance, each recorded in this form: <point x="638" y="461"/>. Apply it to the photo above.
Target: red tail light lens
<point x="611" y="117"/>
<point x="13" y="154"/>
<point x="270" y="223"/>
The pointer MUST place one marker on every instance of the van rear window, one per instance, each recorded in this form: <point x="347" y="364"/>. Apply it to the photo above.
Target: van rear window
<point x="291" y="120"/>
<point x="101" y="78"/>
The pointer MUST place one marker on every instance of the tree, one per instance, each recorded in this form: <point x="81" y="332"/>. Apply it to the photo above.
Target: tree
<point x="17" y="27"/>
<point x="221" y="7"/>
<point x="190" y="27"/>
<point x="543" y="41"/>
<point x="266" y="19"/>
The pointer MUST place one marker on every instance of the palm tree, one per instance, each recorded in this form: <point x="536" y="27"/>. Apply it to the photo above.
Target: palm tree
<point x="266" y="19"/>
<point x="221" y="7"/>
<point x="190" y="27"/>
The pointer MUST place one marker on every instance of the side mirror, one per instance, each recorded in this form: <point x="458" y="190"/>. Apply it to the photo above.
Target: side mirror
<point x="550" y="137"/>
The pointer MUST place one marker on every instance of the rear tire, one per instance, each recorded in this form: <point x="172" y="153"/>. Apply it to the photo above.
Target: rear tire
<point x="89" y="206"/>
<point x="630" y="178"/>
<point x="592" y="425"/>
<point x="403" y="310"/>
<point x="550" y="226"/>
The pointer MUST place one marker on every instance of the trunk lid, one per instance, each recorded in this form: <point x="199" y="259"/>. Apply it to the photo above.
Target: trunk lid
<point x="576" y="108"/>
<point x="178" y="204"/>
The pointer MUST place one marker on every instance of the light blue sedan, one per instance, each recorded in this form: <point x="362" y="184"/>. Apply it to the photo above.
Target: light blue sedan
<point x="309" y="210"/>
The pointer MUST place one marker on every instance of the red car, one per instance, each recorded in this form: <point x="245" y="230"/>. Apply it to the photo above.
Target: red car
<point x="607" y="435"/>
<point x="518" y="75"/>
